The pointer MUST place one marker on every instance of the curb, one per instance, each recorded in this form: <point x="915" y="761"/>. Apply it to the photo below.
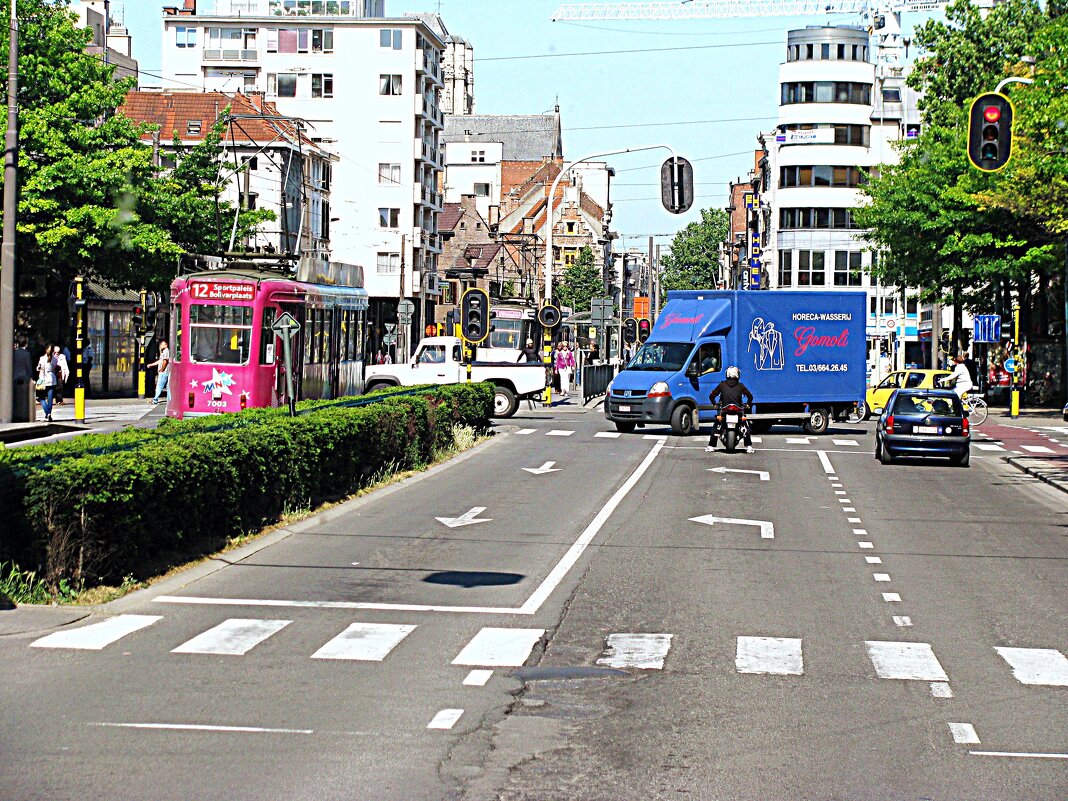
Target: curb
<point x="1054" y="475"/>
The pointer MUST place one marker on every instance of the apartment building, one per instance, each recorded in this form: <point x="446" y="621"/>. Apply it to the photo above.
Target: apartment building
<point x="111" y="41"/>
<point x="369" y="87"/>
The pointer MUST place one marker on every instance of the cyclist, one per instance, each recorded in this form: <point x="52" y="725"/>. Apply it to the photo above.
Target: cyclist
<point x="732" y="390"/>
<point x="960" y="380"/>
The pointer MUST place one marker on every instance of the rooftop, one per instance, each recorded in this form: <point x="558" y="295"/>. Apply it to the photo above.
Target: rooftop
<point x="526" y="137"/>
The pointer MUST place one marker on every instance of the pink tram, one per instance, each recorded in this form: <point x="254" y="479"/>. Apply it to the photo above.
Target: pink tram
<point x="225" y="357"/>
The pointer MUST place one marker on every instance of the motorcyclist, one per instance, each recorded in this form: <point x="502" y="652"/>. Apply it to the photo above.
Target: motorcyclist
<point x="732" y="390"/>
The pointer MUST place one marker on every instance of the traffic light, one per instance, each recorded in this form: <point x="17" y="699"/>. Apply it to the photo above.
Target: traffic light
<point x="630" y="330"/>
<point x="676" y="185"/>
<point x="139" y="318"/>
<point x="475" y="315"/>
<point x="990" y="132"/>
<point x="549" y="316"/>
<point x="644" y="328"/>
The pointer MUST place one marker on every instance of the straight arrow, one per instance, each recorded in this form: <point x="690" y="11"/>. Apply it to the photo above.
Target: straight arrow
<point x="764" y="475"/>
<point x="466" y="519"/>
<point x="545" y="468"/>
<point x="767" y="529"/>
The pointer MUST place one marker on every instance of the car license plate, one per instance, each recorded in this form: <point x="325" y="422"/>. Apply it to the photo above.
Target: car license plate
<point x="927" y="430"/>
<point x="624" y="408"/>
<point x="732" y="418"/>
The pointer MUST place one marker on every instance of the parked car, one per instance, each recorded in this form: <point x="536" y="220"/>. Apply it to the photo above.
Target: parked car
<point x="1064" y="413"/>
<point x="923" y="422"/>
<point x="876" y="397"/>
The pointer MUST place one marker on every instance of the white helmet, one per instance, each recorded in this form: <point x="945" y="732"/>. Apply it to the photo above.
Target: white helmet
<point x="734" y="372"/>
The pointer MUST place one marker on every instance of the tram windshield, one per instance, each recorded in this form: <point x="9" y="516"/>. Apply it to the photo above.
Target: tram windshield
<point x="219" y="334"/>
<point x="506" y="334"/>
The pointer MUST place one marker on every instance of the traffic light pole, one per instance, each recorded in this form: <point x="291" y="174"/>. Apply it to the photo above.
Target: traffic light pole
<point x="7" y="250"/>
<point x="141" y="351"/>
<point x="1017" y="357"/>
<point x="79" y="349"/>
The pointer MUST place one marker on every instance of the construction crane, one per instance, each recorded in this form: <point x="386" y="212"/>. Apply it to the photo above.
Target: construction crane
<point x="882" y="18"/>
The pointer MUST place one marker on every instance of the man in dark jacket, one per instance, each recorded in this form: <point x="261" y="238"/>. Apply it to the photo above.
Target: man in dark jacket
<point x="530" y="353"/>
<point x="730" y="391"/>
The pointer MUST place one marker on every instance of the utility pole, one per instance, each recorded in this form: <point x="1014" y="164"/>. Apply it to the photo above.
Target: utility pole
<point x="401" y="332"/>
<point x="656" y="285"/>
<point x="7" y="249"/>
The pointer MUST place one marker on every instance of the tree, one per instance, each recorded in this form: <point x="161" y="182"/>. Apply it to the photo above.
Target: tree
<point x="693" y="262"/>
<point x="580" y="283"/>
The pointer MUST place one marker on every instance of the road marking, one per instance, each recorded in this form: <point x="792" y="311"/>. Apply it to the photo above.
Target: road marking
<point x="640" y="651"/>
<point x="833" y="478"/>
<point x="848" y="509"/>
<point x="891" y="597"/>
<point x="914" y="661"/>
<point x="608" y="434"/>
<point x="873" y="560"/>
<point x="96" y="636"/>
<point x="798" y="441"/>
<point x="496" y="647"/>
<point x="853" y="520"/>
<point x="764" y="475"/>
<point x="233" y="637"/>
<point x="204" y="727"/>
<point x="757" y="440"/>
<point x="851" y="442"/>
<point x="477" y="678"/>
<point x="466" y="519"/>
<point x="364" y="642"/>
<point x="881" y="576"/>
<point x="660" y="437"/>
<point x="860" y="532"/>
<point x="526" y="431"/>
<point x="767" y="528"/>
<point x="1044" y="666"/>
<point x="986" y="446"/>
<point x="780" y="656"/>
<point x="1023" y="755"/>
<point x="445" y="719"/>
<point x="863" y="544"/>
<point x="940" y="689"/>
<point x="902" y="620"/>
<point x="540" y="471"/>
<point x="844" y="500"/>
<point x="1037" y="449"/>
<point x="557" y="432"/>
<point x="838" y="492"/>
<point x="964" y="733"/>
<point x="839" y="486"/>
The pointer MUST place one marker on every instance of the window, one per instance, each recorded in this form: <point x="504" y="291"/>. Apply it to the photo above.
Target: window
<point x="847" y="268"/>
<point x="825" y="92"/>
<point x="825" y="51"/>
<point x="185" y="36"/>
<point x="478" y="156"/>
<point x="322" y="40"/>
<point x="570" y="226"/>
<point x="570" y="255"/>
<point x="231" y="44"/>
<point x="810" y="268"/>
<point x="709" y="358"/>
<point x="287" y="85"/>
<point x="482" y="190"/>
<point x="389" y="173"/>
<point x="389" y="84"/>
<point x="219" y="334"/>
<point x="389" y="218"/>
<point x="820" y="175"/>
<point x="841" y="52"/>
<point x="176" y="332"/>
<point x="786" y="267"/>
<point x="390" y="37"/>
<point x="193" y="127"/>
<point x="388" y="263"/>
<point x="267" y="337"/>
<point x="891" y="95"/>
<point x="910" y="307"/>
<point x="322" y="84"/>
<point x="298" y="40"/>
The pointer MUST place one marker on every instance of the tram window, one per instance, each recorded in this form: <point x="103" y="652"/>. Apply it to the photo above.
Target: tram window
<point x="328" y="327"/>
<point x="176" y="331"/>
<point x="220" y="334"/>
<point x="343" y="337"/>
<point x="506" y="334"/>
<point x="308" y="325"/>
<point x="267" y="340"/>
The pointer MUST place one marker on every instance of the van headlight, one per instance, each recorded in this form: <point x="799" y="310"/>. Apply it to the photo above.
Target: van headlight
<point x="659" y="390"/>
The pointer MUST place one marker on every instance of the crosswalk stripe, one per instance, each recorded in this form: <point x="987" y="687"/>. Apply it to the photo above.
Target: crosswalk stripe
<point x="905" y="660"/>
<point x="364" y="642"/>
<point x="655" y="436"/>
<point x="757" y="440"/>
<point x="1037" y="449"/>
<point x="642" y="651"/>
<point x="780" y="656"/>
<point x="96" y="636"/>
<point x="498" y="647"/>
<point x="797" y="441"/>
<point x="852" y="442"/>
<point x="558" y="432"/>
<point x="986" y="446"/>
<point x="477" y="678"/>
<point x="445" y="719"/>
<point x="526" y="431"/>
<point x="607" y="434"/>
<point x="233" y="637"/>
<point x="1044" y="666"/>
<point x="964" y="733"/>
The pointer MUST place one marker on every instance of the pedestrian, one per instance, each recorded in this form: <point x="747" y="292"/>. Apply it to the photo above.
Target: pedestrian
<point x="23" y="374"/>
<point x="594" y="354"/>
<point x="46" y="381"/>
<point x="530" y="353"/>
<point x="565" y="365"/>
<point x="63" y="370"/>
<point x="163" y="372"/>
<point x="88" y="357"/>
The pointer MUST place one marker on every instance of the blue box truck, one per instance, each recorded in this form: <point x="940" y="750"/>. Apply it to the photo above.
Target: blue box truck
<point x="802" y="354"/>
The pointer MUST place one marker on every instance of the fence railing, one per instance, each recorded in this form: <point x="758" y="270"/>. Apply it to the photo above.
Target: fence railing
<point x="595" y="379"/>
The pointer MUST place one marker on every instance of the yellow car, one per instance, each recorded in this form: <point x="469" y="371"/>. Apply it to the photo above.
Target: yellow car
<point x="877" y="396"/>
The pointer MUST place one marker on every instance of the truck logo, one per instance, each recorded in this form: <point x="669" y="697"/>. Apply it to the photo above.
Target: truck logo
<point x="806" y="338"/>
<point x="768" y="339"/>
<point x="626" y="393"/>
<point x="676" y="318"/>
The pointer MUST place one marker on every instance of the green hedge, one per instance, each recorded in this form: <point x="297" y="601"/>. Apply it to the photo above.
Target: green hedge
<point x="102" y="506"/>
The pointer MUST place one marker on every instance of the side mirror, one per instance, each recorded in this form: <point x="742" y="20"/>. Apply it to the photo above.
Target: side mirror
<point x="693" y="370"/>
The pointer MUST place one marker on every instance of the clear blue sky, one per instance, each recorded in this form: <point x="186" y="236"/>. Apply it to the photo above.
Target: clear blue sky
<point x="708" y="102"/>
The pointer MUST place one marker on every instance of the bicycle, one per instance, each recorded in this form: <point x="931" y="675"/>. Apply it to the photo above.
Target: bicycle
<point x="977" y="409"/>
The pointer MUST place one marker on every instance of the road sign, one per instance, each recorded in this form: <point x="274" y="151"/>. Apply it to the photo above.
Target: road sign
<point x="1010" y="365"/>
<point x="286" y="326"/>
<point x="986" y="328"/>
<point x="891" y="323"/>
<point x="405" y="307"/>
<point x="389" y="339"/>
<point x="404" y="319"/>
<point x="600" y="310"/>
<point x="391" y="327"/>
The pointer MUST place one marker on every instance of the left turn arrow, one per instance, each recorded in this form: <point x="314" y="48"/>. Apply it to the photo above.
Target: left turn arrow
<point x="466" y="519"/>
<point x="545" y="468"/>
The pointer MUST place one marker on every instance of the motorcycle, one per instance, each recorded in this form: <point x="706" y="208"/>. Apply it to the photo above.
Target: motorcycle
<point x="733" y="424"/>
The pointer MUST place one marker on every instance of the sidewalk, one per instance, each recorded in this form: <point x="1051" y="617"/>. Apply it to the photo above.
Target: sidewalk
<point x="106" y="414"/>
<point x="1037" y="442"/>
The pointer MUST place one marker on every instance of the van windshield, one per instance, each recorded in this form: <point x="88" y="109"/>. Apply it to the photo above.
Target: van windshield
<point x="670" y="356"/>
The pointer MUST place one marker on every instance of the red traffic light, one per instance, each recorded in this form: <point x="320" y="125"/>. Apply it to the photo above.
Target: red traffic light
<point x="991" y="113"/>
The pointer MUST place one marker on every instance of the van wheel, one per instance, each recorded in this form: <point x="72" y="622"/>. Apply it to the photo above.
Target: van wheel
<point x="624" y="428"/>
<point x="682" y="421"/>
<point x="505" y="402"/>
<point x="867" y="412"/>
<point x="818" y="421"/>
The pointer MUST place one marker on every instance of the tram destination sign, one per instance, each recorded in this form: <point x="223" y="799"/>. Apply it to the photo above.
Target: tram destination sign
<point x="222" y="290"/>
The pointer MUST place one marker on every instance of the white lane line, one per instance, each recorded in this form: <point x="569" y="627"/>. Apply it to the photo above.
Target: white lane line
<point x="364" y="642"/>
<point x="780" y="656"/>
<point x="233" y="637"/>
<point x="964" y="733"/>
<point x="559" y="432"/>
<point x="204" y="727"/>
<point x="844" y="500"/>
<point x="940" y="689"/>
<point x="853" y="520"/>
<point x="641" y="651"/>
<point x="1044" y="666"/>
<point x="864" y="544"/>
<point x="838" y="492"/>
<point x="873" y="560"/>
<point x="496" y="647"/>
<point x="660" y="437"/>
<point x="798" y="441"/>
<point x="833" y="478"/>
<point x="904" y="621"/>
<point x="837" y="485"/>
<point x="881" y="576"/>
<point x="825" y="460"/>
<point x="96" y="635"/>
<point x="608" y="434"/>
<point x="526" y="431"/>
<point x="848" y="509"/>
<point x="986" y="446"/>
<point x="477" y="678"/>
<point x="891" y="597"/>
<point x="1021" y="754"/>
<point x="1037" y="449"/>
<point x="556" y="575"/>
<point x="860" y="532"/>
<point x="913" y="661"/>
<point x="445" y="719"/>
<point x="851" y="442"/>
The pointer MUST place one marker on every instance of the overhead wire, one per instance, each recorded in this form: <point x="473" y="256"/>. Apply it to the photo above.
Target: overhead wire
<point x="777" y="43"/>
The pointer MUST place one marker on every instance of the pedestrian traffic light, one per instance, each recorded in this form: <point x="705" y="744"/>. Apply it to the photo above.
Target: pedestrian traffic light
<point x="549" y="316"/>
<point x="644" y="328"/>
<point x="630" y="330"/>
<point x="475" y="315"/>
<point x="990" y="132"/>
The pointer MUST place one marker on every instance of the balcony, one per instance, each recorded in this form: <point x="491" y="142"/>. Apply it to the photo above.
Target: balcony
<point x="431" y="66"/>
<point x="231" y="55"/>
<point x="425" y="151"/>
<point x="286" y="8"/>
<point x="425" y="196"/>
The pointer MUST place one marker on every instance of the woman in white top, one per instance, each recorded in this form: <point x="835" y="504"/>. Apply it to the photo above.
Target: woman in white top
<point x="46" y="381"/>
<point x="960" y="380"/>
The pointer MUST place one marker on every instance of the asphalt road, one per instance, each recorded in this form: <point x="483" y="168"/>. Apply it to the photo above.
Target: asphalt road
<point x="578" y="626"/>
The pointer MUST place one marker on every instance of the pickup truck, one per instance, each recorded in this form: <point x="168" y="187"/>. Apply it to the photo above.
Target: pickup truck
<point x="802" y="354"/>
<point x="439" y="360"/>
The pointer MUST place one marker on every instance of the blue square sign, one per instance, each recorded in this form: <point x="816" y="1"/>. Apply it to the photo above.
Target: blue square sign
<point x="986" y="328"/>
